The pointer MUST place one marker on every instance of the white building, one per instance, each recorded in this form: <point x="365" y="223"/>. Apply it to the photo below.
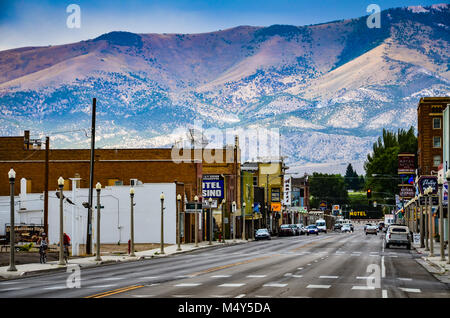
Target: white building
<point x="115" y="216"/>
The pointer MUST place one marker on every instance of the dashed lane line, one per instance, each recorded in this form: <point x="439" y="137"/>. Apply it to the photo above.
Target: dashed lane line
<point x="363" y="287"/>
<point x="232" y="285"/>
<point x="411" y="290"/>
<point x="188" y="285"/>
<point x="318" y="286"/>
<point x="240" y="296"/>
<point x="275" y="285"/>
<point x="330" y="277"/>
<point x="256" y="276"/>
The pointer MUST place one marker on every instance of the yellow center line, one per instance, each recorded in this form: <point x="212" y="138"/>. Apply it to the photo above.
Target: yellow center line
<point x="115" y="291"/>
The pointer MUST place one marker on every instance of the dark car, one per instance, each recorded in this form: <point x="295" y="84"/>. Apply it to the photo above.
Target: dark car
<point x="337" y="226"/>
<point x="286" y="230"/>
<point x="262" y="234"/>
<point x="312" y="229"/>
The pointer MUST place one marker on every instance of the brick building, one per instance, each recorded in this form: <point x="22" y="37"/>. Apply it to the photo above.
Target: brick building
<point x="114" y="167"/>
<point x="430" y="136"/>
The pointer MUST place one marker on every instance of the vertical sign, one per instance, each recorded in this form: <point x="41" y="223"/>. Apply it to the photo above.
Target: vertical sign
<point x="287" y="191"/>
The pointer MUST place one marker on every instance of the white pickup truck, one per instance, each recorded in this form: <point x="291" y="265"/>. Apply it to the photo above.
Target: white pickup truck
<point x="397" y="235"/>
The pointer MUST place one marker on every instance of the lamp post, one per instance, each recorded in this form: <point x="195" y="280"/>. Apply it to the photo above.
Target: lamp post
<point x="223" y="220"/>
<point x="430" y="221"/>
<point x="196" y="222"/>
<point x="210" y="221"/>
<point x="441" y="219"/>
<point x="61" y="222"/>
<point x="234" y="221"/>
<point x="447" y="176"/>
<point x="98" y="187"/>
<point x="422" y="227"/>
<point x="179" y="222"/>
<point x="253" y="223"/>
<point x="12" y="232"/>
<point x="132" y="223"/>
<point x="425" y="219"/>
<point x="161" y="197"/>
<point x="243" y="220"/>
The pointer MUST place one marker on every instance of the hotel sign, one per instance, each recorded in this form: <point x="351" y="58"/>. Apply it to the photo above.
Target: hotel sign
<point x="406" y="163"/>
<point x="213" y="186"/>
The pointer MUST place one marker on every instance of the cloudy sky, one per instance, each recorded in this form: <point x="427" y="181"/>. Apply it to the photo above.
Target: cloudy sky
<point x="43" y="22"/>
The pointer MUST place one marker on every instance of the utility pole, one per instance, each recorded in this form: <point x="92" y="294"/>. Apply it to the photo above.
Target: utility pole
<point x="91" y="182"/>
<point x="47" y="150"/>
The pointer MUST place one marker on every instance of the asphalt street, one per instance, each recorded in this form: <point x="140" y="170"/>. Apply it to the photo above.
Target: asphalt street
<point x="337" y="265"/>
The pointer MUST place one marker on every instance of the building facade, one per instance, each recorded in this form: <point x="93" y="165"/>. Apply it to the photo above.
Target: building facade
<point x="430" y="133"/>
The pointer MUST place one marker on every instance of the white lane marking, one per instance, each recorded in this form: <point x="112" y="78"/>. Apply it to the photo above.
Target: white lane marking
<point x="102" y="286"/>
<point x="231" y="285"/>
<point x="10" y="289"/>
<point x="392" y="255"/>
<point x="150" y="277"/>
<point x="221" y="296"/>
<point x="338" y="252"/>
<point x="184" y="276"/>
<point x="384" y="293"/>
<point x="407" y="279"/>
<point x="142" y="296"/>
<point x="288" y="274"/>
<point x="318" y="286"/>
<point x="274" y="285"/>
<point x="187" y="285"/>
<point x="55" y="287"/>
<point x="411" y="290"/>
<point x="181" y="296"/>
<point x="8" y="283"/>
<point x="315" y="261"/>
<point x="155" y="284"/>
<point x="363" y="287"/>
<point x="220" y="276"/>
<point x="258" y="296"/>
<point x="300" y="268"/>
<point x="332" y="277"/>
<point x="256" y="276"/>
<point x="383" y="268"/>
<point x="297" y="276"/>
<point x="240" y="296"/>
<point x="363" y="277"/>
<point x="308" y="264"/>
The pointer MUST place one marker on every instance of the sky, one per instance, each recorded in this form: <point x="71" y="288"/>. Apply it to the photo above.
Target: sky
<point x="42" y="22"/>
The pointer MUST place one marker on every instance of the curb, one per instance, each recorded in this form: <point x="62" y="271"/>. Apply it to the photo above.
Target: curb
<point x="11" y="276"/>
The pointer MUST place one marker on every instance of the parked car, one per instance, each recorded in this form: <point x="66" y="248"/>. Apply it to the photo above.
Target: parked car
<point x="262" y="234"/>
<point x="296" y="229"/>
<point x="301" y="228"/>
<point x="346" y="228"/>
<point x="286" y="230"/>
<point x="370" y="229"/>
<point x="337" y="226"/>
<point x="312" y="229"/>
<point x="398" y="235"/>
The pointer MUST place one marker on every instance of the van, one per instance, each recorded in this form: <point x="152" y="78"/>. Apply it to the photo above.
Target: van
<point x="321" y="225"/>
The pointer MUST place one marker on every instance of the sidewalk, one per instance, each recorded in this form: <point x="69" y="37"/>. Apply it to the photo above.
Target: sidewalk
<point x="434" y="265"/>
<point x="87" y="262"/>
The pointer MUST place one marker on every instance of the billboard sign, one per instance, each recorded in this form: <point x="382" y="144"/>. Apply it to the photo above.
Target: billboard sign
<point x="407" y="192"/>
<point x="428" y="181"/>
<point x="406" y="163"/>
<point x="287" y="191"/>
<point x="213" y="186"/>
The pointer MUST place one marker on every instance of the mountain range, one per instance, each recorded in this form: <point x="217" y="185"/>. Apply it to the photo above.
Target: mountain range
<point x="329" y="88"/>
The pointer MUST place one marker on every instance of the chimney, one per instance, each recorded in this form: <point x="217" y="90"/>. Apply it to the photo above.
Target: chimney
<point x="26" y="139"/>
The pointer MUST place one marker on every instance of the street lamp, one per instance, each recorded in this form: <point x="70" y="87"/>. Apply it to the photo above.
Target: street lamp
<point x="61" y="222"/>
<point x="210" y="221"/>
<point x="422" y="225"/>
<point x="98" y="187"/>
<point x="223" y="220"/>
<point x="179" y="222"/>
<point x="234" y="220"/>
<point x="253" y="223"/>
<point x="441" y="219"/>
<point x="447" y="176"/>
<point x="243" y="221"/>
<point x="161" y="197"/>
<point x="132" y="222"/>
<point x="196" y="222"/>
<point x="12" y="232"/>
<point x="430" y="221"/>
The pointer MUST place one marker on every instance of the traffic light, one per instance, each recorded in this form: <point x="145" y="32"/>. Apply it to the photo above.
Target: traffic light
<point x="369" y="193"/>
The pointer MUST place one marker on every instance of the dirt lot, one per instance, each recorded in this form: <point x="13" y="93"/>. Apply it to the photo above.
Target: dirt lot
<point x="106" y="249"/>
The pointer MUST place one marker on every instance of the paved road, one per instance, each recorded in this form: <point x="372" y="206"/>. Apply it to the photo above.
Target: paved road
<point x="328" y="265"/>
